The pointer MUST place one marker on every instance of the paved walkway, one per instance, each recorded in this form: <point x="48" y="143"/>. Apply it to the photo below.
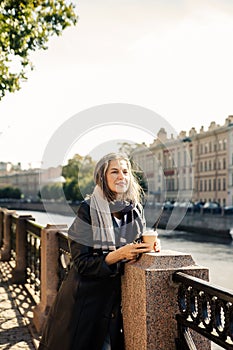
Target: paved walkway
<point x="16" y="306"/>
<point x="16" y="331"/>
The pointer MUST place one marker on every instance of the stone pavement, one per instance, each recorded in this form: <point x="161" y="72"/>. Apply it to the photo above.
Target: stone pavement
<point x="16" y="305"/>
<point x="16" y="332"/>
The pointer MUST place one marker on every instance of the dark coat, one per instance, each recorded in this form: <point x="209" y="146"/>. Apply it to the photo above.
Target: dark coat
<point x="87" y="306"/>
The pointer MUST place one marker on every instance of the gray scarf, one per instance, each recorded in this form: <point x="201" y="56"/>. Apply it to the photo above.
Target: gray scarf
<point x="102" y="223"/>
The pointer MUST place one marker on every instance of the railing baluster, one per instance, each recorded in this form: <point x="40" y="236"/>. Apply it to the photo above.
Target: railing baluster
<point x="33" y="257"/>
<point x="206" y="309"/>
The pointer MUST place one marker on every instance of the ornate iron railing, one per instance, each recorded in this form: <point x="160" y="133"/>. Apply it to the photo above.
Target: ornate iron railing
<point x="33" y="261"/>
<point x="13" y="224"/>
<point x="1" y="227"/>
<point x="204" y="308"/>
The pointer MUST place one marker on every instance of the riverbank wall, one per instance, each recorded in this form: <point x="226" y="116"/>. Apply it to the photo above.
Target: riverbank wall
<point x="206" y="224"/>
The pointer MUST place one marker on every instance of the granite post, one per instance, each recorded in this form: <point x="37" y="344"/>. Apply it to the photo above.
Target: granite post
<point x="5" y="251"/>
<point x="49" y="273"/>
<point x="149" y="300"/>
<point x="19" y="272"/>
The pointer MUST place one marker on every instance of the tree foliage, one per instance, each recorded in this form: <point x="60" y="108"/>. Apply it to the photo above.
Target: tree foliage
<point x="51" y="191"/>
<point x="26" y="26"/>
<point x="79" y="177"/>
<point x="10" y="192"/>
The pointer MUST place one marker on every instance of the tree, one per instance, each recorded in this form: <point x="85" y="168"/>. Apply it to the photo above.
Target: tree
<point x="26" y="26"/>
<point x="72" y="191"/>
<point x="79" y="177"/>
<point x="10" y="192"/>
<point x="51" y="191"/>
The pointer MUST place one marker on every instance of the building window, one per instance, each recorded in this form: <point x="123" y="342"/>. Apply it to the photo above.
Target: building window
<point x="205" y="183"/>
<point x="214" y="184"/>
<point x="224" y="144"/>
<point x="219" y="145"/>
<point x="178" y="159"/>
<point x="210" y="165"/>
<point x="191" y="182"/>
<point x="185" y="159"/>
<point x="224" y="184"/>
<point x="224" y="163"/>
<point x="214" y="165"/>
<point x="210" y="147"/>
<point x="210" y="185"/>
<point x="201" y="186"/>
<point x="191" y="155"/>
<point x="219" y="184"/>
<point x="170" y="184"/>
<point x="206" y="168"/>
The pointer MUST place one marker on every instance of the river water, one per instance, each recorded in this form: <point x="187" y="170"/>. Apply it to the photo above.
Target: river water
<point x="210" y="253"/>
<point x="217" y="257"/>
<point x="207" y="252"/>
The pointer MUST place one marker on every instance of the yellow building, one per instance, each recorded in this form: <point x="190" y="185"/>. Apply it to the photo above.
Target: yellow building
<point x="193" y="167"/>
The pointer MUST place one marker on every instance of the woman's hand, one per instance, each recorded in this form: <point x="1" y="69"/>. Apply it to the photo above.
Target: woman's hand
<point x="128" y="252"/>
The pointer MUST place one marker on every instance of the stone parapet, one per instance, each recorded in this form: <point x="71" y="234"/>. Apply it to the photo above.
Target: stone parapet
<point x="19" y="272"/>
<point x="49" y="273"/>
<point x="5" y="251"/>
<point x="149" y="300"/>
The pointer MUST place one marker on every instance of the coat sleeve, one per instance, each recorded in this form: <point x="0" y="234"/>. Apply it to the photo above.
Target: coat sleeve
<point x="87" y="261"/>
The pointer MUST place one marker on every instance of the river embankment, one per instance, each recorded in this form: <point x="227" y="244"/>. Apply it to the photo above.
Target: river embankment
<point x="206" y="224"/>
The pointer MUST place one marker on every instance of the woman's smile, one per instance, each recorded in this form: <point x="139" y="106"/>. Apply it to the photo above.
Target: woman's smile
<point x="121" y="183"/>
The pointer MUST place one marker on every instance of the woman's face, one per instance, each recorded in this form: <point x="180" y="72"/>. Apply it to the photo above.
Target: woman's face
<point x="118" y="176"/>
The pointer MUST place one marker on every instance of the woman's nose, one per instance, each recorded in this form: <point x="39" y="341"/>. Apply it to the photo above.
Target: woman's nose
<point x="120" y="175"/>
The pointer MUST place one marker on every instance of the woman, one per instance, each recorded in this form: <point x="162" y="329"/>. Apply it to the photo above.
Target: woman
<point x="86" y="314"/>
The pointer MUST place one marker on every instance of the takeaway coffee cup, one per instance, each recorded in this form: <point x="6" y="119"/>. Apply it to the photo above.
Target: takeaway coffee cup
<point x="150" y="236"/>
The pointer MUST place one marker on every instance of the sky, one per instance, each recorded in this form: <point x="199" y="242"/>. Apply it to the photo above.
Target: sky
<point x="174" y="57"/>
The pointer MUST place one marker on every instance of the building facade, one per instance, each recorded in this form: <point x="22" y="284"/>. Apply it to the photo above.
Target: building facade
<point x="29" y="181"/>
<point x="194" y="167"/>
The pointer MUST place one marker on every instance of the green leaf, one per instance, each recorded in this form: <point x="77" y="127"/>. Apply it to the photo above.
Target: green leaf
<point x="26" y="26"/>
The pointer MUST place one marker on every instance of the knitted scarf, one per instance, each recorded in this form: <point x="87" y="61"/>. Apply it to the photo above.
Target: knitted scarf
<point x="102" y="224"/>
